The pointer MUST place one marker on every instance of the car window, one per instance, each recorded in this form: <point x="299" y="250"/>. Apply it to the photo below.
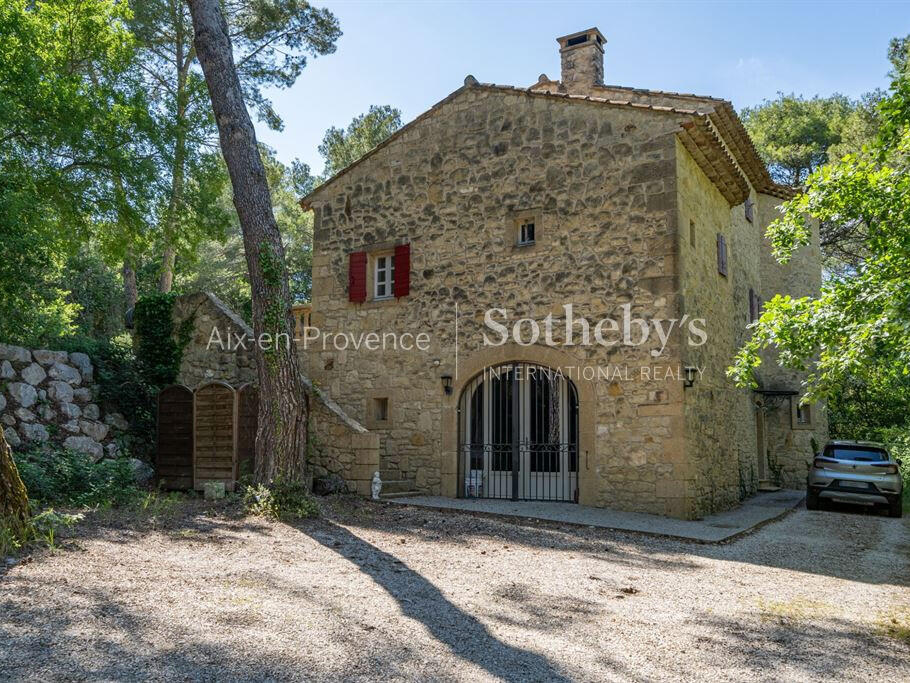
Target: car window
<point x="856" y="453"/>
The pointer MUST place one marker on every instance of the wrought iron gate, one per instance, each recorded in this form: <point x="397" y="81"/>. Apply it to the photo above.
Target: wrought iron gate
<point x="518" y="435"/>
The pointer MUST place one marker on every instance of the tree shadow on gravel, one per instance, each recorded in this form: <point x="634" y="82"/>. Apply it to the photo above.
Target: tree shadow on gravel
<point x="807" y="646"/>
<point x="422" y="601"/>
<point x="463" y="529"/>
<point x="824" y="543"/>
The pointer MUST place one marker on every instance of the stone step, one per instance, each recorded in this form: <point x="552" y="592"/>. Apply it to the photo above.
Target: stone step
<point x="400" y="494"/>
<point x="397" y="486"/>
<point x="766" y="485"/>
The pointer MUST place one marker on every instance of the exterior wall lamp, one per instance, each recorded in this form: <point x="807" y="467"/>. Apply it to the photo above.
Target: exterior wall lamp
<point x="447" y="384"/>
<point x="690" y="373"/>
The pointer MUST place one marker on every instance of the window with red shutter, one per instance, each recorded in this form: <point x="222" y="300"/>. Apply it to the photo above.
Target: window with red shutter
<point x="357" y="277"/>
<point x="402" y="284"/>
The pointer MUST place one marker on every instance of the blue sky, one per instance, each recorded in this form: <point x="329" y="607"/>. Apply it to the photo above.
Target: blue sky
<point x="412" y="54"/>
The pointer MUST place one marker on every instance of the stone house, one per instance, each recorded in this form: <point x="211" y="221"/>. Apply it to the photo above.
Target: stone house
<point x="502" y="211"/>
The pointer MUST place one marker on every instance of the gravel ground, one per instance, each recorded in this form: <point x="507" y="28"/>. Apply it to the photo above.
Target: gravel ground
<point x="376" y="591"/>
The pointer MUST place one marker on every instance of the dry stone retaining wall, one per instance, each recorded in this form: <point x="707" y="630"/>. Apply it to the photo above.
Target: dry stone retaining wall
<point x="51" y="397"/>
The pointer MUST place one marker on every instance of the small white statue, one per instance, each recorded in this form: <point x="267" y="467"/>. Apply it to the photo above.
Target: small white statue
<point x="376" y="486"/>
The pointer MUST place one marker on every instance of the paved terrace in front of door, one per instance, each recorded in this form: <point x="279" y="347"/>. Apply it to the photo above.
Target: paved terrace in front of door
<point x="724" y="526"/>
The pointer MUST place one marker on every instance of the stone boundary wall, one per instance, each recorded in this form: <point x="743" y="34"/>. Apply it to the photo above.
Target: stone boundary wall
<point x="51" y="397"/>
<point x="338" y="444"/>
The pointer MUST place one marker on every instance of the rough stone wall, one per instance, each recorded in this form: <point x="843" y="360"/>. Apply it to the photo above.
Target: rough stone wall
<point x="222" y="359"/>
<point x="342" y="446"/>
<point x="720" y="419"/>
<point x="789" y="450"/>
<point x="339" y="445"/>
<point x="601" y="183"/>
<point x="51" y="397"/>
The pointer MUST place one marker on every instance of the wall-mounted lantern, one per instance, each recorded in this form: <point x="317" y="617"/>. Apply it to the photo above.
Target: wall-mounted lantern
<point x="690" y="373"/>
<point x="447" y="384"/>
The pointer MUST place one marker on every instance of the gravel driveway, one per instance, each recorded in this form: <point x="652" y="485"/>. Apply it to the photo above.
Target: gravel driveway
<point x="377" y="591"/>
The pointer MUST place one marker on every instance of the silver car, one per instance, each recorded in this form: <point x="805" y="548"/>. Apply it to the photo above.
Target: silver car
<point x="858" y="472"/>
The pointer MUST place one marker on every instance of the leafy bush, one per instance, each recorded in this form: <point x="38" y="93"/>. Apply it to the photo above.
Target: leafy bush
<point x="122" y="384"/>
<point x="281" y="500"/>
<point x="41" y="529"/>
<point x="63" y="477"/>
<point x="159" y="349"/>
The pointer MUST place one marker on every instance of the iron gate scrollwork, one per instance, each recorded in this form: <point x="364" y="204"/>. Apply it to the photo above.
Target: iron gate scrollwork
<point x="518" y="435"/>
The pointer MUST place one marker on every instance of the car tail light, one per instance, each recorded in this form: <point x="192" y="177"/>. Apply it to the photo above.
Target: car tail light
<point x="891" y="469"/>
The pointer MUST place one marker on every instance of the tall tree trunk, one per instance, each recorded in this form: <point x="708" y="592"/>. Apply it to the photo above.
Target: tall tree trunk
<point x="166" y="279"/>
<point x="175" y="203"/>
<point x="130" y="287"/>
<point x="13" y="496"/>
<point x="282" y="432"/>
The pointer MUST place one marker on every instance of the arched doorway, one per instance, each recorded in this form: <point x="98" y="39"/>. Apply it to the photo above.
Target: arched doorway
<point x="518" y="434"/>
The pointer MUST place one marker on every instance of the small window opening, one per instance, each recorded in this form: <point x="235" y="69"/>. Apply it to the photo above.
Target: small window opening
<point x="526" y="233"/>
<point x="577" y="40"/>
<point x="692" y="233"/>
<point x="384" y="277"/>
<point x="381" y="409"/>
<point x="803" y="414"/>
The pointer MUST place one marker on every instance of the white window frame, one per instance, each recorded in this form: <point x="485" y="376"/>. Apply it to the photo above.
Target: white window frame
<point x="384" y="276"/>
<point x="522" y="241"/>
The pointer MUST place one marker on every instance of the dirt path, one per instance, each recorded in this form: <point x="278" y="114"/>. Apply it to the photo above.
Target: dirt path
<point x="374" y="591"/>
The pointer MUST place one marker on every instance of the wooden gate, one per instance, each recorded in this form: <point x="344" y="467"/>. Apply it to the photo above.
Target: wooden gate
<point x="174" y="461"/>
<point x="215" y="435"/>
<point x="247" y="422"/>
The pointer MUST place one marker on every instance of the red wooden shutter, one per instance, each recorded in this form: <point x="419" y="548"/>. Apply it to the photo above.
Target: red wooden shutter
<point x="402" y="284"/>
<point x="357" y="277"/>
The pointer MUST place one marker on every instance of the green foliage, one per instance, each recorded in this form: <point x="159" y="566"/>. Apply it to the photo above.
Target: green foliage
<point x="41" y="530"/>
<point x="219" y="266"/>
<point x="96" y="289"/>
<point x="342" y="147"/>
<point x="860" y="323"/>
<point x="272" y="41"/>
<point x="69" y="125"/>
<point x="794" y="135"/>
<point x="159" y="350"/>
<point x="122" y="383"/>
<point x="62" y="477"/>
<point x="281" y="500"/>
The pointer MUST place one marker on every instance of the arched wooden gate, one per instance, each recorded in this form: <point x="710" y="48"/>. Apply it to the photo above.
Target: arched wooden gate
<point x="174" y="461"/>
<point x="215" y="435"/>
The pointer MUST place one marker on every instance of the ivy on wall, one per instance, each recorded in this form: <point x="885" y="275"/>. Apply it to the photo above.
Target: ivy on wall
<point x="159" y="347"/>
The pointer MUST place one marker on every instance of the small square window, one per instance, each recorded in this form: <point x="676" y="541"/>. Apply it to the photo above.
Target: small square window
<point x="381" y="409"/>
<point x="526" y="232"/>
<point x="384" y="277"/>
<point x="801" y="415"/>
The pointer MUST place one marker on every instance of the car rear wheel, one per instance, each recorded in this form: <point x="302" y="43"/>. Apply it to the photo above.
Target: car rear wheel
<point x="896" y="508"/>
<point x="811" y="500"/>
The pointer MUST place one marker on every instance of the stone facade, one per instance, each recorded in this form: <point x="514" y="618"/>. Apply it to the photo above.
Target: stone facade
<point x="627" y="197"/>
<point x="213" y="352"/>
<point x="51" y="397"/>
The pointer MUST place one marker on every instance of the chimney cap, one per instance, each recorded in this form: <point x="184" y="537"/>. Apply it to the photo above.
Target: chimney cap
<point x="587" y="37"/>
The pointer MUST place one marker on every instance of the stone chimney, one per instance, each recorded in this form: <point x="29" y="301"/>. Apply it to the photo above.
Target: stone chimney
<point x="582" y="60"/>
